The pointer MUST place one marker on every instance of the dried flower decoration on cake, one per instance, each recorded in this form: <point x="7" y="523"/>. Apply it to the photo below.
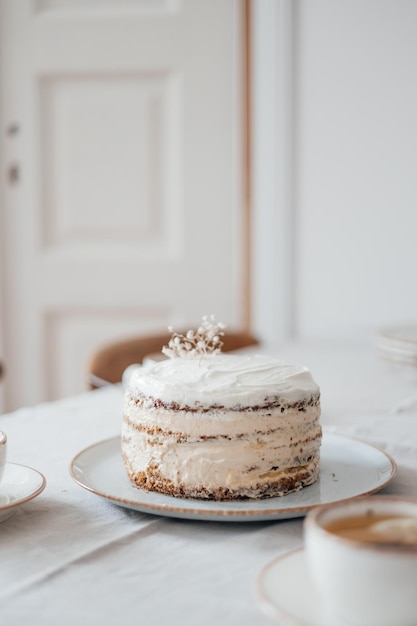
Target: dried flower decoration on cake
<point x="205" y="340"/>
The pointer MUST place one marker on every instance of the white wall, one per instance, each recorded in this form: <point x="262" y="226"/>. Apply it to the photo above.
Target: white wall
<point x="2" y="260"/>
<point x="2" y="404"/>
<point x="350" y="209"/>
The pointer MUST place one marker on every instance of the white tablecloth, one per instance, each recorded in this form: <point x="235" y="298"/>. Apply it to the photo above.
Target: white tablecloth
<point x="69" y="556"/>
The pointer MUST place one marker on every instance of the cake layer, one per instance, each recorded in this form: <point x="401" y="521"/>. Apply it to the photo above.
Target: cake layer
<point x="259" y="461"/>
<point x="281" y="484"/>
<point x="223" y="380"/>
<point x="283" y="422"/>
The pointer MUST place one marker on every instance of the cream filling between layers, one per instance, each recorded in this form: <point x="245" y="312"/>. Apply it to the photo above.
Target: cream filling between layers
<point x="238" y="463"/>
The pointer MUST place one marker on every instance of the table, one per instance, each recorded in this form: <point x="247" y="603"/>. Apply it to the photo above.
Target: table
<point x="69" y="556"/>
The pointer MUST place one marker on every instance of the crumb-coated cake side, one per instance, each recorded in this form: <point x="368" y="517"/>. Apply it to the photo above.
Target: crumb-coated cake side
<point x="222" y="427"/>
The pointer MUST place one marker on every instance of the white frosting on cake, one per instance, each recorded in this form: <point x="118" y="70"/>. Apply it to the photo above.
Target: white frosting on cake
<point x="223" y="380"/>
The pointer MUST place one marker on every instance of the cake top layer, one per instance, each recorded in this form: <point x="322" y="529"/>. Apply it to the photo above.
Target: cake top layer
<point x="223" y="380"/>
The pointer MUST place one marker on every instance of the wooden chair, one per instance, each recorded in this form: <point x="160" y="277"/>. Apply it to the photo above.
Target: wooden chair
<point x="107" y="364"/>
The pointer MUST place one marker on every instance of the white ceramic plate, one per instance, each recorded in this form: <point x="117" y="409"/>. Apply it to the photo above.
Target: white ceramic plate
<point x="285" y="591"/>
<point x="19" y="484"/>
<point x="349" y="467"/>
<point x="398" y="344"/>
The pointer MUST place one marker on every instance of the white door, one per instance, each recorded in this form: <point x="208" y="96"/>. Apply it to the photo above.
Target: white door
<point x="122" y="149"/>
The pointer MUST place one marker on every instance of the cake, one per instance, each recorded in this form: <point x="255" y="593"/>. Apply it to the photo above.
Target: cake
<point x="210" y="425"/>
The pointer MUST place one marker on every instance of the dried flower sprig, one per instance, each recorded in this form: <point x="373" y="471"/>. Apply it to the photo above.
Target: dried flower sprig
<point x="205" y="340"/>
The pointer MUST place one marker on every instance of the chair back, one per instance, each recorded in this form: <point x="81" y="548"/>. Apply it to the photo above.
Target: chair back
<point x="107" y="364"/>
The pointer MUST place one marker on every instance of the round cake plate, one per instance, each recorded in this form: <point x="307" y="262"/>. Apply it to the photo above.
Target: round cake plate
<point x="349" y="468"/>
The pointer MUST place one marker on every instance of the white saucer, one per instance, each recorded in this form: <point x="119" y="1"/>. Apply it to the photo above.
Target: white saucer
<point x="286" y="592"/>
<point x="348" y="468"/>
<point x="19" y="484"/>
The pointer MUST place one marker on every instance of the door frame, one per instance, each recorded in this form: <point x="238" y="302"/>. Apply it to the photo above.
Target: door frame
<point x="272" y="242"/>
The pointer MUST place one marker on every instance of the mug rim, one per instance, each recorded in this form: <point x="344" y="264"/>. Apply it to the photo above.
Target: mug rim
<point x="312" y="523"/>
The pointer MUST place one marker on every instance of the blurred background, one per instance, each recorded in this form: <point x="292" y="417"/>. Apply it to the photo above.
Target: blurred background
<point x="167" y="159"/>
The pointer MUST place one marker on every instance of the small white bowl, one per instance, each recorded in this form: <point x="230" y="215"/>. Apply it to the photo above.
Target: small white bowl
<point x="363" y="582"/>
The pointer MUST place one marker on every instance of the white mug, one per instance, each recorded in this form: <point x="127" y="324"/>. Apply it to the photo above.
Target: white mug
<point x="361" y="580"/>
<point x="3" y="452"/>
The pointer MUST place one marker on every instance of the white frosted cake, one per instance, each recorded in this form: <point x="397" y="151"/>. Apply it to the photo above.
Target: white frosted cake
<point x="222" y="427"/>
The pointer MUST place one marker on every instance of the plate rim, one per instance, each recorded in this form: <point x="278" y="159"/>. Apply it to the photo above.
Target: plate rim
<point x="33" y="494"/>
<point x="229" y="514"/>
<point x="268" y="607"/>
